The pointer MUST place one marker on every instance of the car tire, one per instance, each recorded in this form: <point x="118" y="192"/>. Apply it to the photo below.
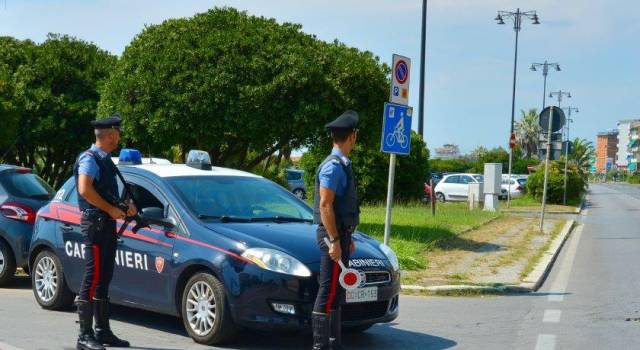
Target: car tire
<point x="7" y="263"/>
<point x="441" y="197"/>
<point x="357" y="329"/>
<point x="48" y="282"/>
<point x="300" y="193"/>
<point x="203" y="286"/>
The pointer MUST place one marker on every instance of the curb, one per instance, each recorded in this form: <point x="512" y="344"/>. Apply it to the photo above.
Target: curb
<point x="534" y="280"/>
<point x="530" y="283"/>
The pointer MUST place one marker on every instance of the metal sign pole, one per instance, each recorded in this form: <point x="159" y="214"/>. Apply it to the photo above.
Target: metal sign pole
<point x="566" y="160"/>
<point x="546" y="170"/>
<point x="387" y="220"/>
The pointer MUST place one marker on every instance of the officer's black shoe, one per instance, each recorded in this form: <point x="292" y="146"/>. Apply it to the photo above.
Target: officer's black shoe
<point x="86" y="339"/>
<point x="320" y="326"/>
<point x="104" y="335"/>
<point x="335" y="337"/>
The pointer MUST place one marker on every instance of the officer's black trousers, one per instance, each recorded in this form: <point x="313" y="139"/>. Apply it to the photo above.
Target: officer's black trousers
<point x="99" y="234"/>
<point x="330" y="292"/>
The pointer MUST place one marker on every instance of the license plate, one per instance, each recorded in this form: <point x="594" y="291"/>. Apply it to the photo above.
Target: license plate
<point x="362" y="295"/>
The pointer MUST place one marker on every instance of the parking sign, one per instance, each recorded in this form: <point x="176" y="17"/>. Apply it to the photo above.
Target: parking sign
<point x="396" y="129"/>
<point x="401" y="70"/>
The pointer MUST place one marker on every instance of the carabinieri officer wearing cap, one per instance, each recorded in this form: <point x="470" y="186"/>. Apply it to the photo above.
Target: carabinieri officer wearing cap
<point x="337" y="213"/>
<point x="98" y="196"/>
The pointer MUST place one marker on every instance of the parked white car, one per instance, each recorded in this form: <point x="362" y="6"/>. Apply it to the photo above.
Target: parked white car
<point x="455" y="187"/>
<point x="517" y="187"/>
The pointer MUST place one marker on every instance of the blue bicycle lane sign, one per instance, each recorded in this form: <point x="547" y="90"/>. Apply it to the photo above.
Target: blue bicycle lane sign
<point x="396" y="129"/>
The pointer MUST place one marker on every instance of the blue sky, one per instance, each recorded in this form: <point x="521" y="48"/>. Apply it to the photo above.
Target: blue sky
<point x="469" y="57"/>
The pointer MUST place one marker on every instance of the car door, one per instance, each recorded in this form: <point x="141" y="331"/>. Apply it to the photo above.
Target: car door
<point x="463" y="188"/>
<point x="71" y="254"/>
<point x="144" y="259"/>
<point x="449" y="186"/>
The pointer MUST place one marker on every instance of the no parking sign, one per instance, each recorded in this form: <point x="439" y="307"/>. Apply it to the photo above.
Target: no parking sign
<point x="400" y="80"/>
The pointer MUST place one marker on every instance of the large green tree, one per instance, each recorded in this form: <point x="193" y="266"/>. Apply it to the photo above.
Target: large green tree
<point x="13" y="54"/>
<point x="528" y="131"/>
<point x="56" y="94"/>
<point x="238" y="86"/>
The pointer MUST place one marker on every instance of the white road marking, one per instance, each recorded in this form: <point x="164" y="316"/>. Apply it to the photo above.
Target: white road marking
<point x="551" y="316"/>
<point x="546" y="342"/>
<point x="4" y="346"/>
<point x="559" y="285"/>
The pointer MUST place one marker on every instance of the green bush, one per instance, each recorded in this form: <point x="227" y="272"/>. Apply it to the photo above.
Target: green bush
<point x="371" y="168"/>
<point x="634" y="179"/>
<point x="576" y="184"/>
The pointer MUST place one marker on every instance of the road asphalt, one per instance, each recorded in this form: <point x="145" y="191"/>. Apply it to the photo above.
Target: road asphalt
<point x="589" y="301"/>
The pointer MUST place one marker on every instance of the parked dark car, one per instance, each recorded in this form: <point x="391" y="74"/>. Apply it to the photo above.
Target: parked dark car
<point x="22" y="193"/>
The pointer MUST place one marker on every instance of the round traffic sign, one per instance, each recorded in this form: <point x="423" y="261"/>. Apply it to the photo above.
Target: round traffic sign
<point x="401" y="71"/>
<point x="558" y="121"/>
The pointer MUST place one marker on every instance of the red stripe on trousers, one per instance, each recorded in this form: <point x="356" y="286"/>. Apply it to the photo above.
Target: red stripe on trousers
<point x="96" y="271"/>
<point x="332" y="290"/>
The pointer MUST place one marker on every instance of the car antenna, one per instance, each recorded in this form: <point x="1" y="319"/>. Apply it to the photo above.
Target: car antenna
<point x="150" y="157"/>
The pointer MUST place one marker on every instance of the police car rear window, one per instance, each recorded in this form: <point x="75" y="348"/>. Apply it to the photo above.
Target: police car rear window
<point x="26" y="185"/>
<point x="238" y="197"/>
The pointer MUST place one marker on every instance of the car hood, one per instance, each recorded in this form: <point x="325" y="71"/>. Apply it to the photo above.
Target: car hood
<point x="295" y="239"/>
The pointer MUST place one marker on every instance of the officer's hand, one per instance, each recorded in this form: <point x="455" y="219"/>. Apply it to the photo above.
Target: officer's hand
<point x="116" y="213"/>
<point x="352" y="248"/>
<point x="335" y="252"/>
<point x="132" y="210"/>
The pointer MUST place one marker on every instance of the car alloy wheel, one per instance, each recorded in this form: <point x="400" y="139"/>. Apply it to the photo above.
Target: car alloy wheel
<point x="299" y="193"/>
<point x="46" y="279"/>
<point x="201" y="308"/>
<point x="2" y="264"/>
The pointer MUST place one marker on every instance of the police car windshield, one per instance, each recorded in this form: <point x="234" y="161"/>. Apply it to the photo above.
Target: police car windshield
<point x="239" y="199"/>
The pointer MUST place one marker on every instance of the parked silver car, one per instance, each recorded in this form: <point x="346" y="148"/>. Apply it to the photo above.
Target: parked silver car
<point x="295" y="179"/>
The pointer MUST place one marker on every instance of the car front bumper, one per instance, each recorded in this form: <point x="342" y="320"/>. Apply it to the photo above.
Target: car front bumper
<point x="251" y="303"/>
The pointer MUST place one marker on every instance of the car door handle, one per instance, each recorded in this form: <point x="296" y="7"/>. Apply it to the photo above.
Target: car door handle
<point x="66" y="228"/>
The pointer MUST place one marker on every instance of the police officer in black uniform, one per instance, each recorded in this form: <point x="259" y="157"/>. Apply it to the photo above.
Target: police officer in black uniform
<point x="98" y="198"/>
<point x="337" y="213"/>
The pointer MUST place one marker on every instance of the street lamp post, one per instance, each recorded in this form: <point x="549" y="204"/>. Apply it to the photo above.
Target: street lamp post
<point x="566" y="151"/>
<point x="545" y="71"/>
<point x="516" y="17"/>
<point x="422" y="69"/>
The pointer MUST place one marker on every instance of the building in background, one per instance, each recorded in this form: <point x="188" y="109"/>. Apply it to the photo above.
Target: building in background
<point x="606" y="150"/>
<point x="633" y="147"/>
<point x="448" y="151"/>
<point x="623" y="156"/>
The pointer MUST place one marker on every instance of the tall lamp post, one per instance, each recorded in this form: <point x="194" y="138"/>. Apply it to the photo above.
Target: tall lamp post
<point x="566" y="151"/>
<point x="516" y="17"/>
<point x="422" y="69"/>
<point x="545" y="71"/>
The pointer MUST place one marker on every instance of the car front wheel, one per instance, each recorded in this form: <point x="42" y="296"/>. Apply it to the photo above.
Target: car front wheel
<point x="48" y="283"/>
<point x="441" y="197"/>
<point x="205" y="310"/>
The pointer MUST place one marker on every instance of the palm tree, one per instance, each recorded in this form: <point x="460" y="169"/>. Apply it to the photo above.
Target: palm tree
<point x="582" y="153"/>
<point x="528" y="131"/>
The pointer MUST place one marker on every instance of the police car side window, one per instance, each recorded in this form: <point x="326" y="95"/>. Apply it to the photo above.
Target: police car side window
<point x="144" y="198"/>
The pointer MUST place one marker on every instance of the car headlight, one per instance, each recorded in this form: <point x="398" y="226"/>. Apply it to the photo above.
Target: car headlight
<point x="277" y="261"/>
<point x="391" y="255"/>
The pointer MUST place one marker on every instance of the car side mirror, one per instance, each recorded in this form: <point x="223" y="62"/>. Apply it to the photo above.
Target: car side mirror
<point x="155" y="216"/>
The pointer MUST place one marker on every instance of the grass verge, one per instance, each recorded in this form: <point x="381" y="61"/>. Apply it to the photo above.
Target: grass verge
<point x="414" y="230"/>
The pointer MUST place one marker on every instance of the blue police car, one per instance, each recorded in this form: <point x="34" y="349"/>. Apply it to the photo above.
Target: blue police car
<point x="225" y="249"/>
